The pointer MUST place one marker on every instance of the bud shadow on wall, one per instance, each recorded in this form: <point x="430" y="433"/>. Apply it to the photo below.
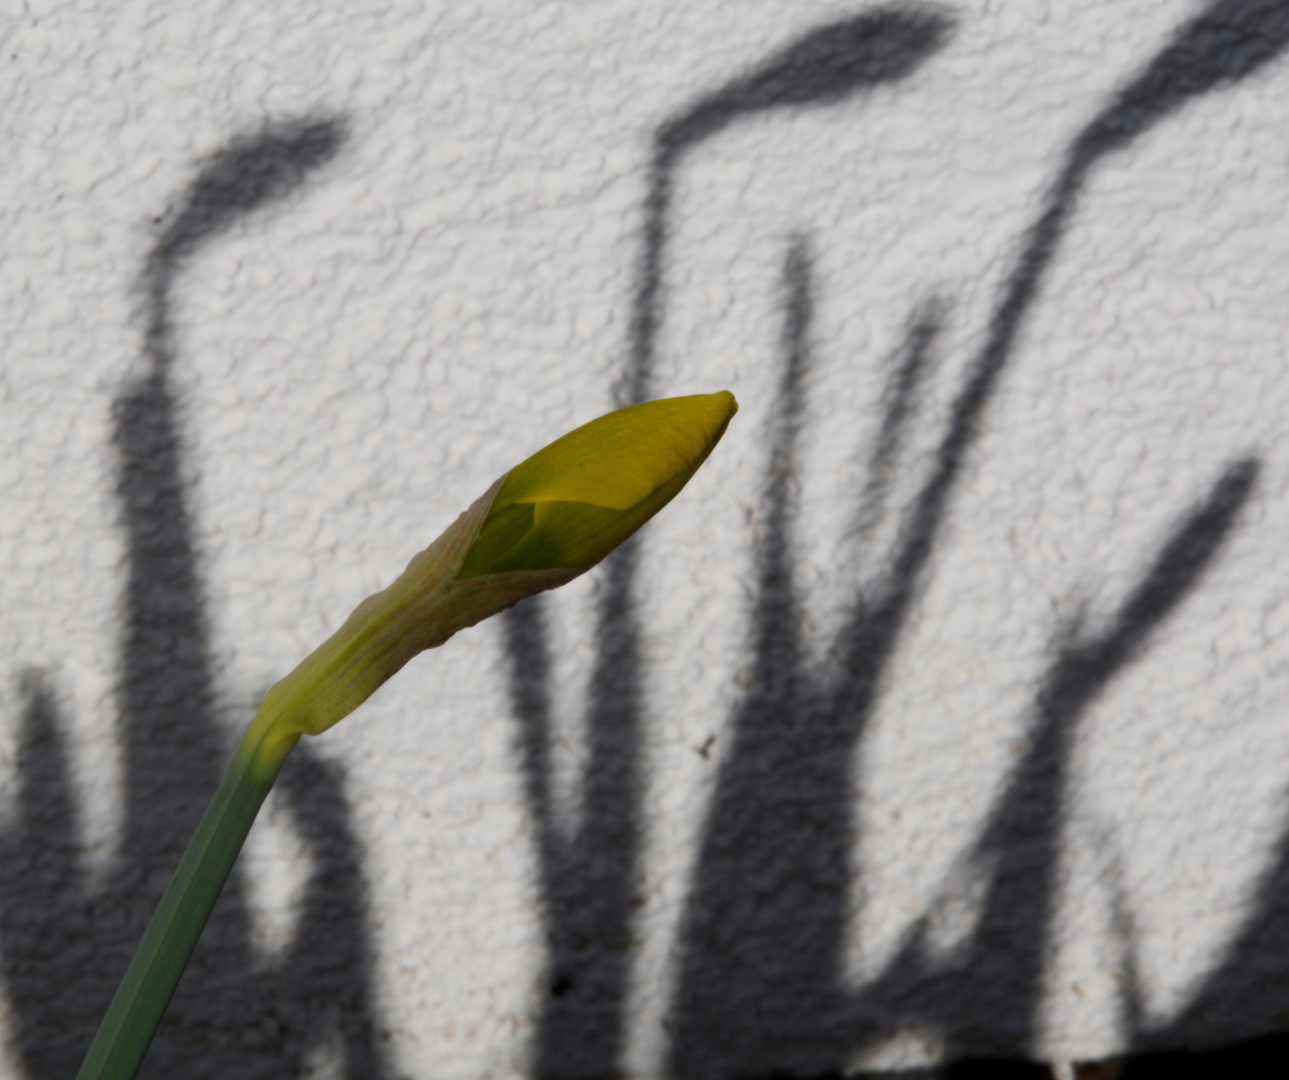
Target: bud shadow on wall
<point x="66" y="941"/>
<point x="760" y="988"/>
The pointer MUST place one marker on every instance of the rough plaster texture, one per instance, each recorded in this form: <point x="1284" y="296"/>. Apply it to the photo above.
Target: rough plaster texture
<point x="944" y="713"/>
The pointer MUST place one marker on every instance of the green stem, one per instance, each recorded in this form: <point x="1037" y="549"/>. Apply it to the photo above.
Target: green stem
<point x="141" y="999"/>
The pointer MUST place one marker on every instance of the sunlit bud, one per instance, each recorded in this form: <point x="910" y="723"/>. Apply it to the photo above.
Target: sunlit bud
<point x="574" y="501"/>
<point x="542" y="524"/>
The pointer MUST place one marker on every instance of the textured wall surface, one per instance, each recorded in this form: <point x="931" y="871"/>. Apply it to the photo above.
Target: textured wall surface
<point x="944" y="713"/>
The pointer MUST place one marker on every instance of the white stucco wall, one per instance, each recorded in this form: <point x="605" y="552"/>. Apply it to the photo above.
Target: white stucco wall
<point x="945" y="711"/>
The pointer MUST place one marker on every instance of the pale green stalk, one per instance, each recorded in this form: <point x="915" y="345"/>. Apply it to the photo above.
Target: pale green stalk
<point x="141" y="999"/>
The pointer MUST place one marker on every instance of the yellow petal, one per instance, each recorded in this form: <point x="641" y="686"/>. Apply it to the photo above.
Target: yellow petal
<point x="577" y="499"/>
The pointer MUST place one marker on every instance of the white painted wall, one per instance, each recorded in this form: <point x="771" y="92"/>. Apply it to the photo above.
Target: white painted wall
<point x="944" y="713"/>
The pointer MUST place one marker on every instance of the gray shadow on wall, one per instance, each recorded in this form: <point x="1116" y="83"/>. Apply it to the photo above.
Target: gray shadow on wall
<point x="589" y="880"/>
<point x="66" y="941"/>
<point x="987" y="996"/>
<point x="827" y="66"/>
<point x="760" y="990"/>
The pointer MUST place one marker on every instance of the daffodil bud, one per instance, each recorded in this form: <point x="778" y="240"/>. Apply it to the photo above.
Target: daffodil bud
<point x="542" y="524"/>
<point x="574" y="501"/>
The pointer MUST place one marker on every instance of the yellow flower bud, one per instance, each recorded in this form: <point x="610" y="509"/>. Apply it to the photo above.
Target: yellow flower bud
<point x="542" y="524"/>
<point x="574" y="501"/>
